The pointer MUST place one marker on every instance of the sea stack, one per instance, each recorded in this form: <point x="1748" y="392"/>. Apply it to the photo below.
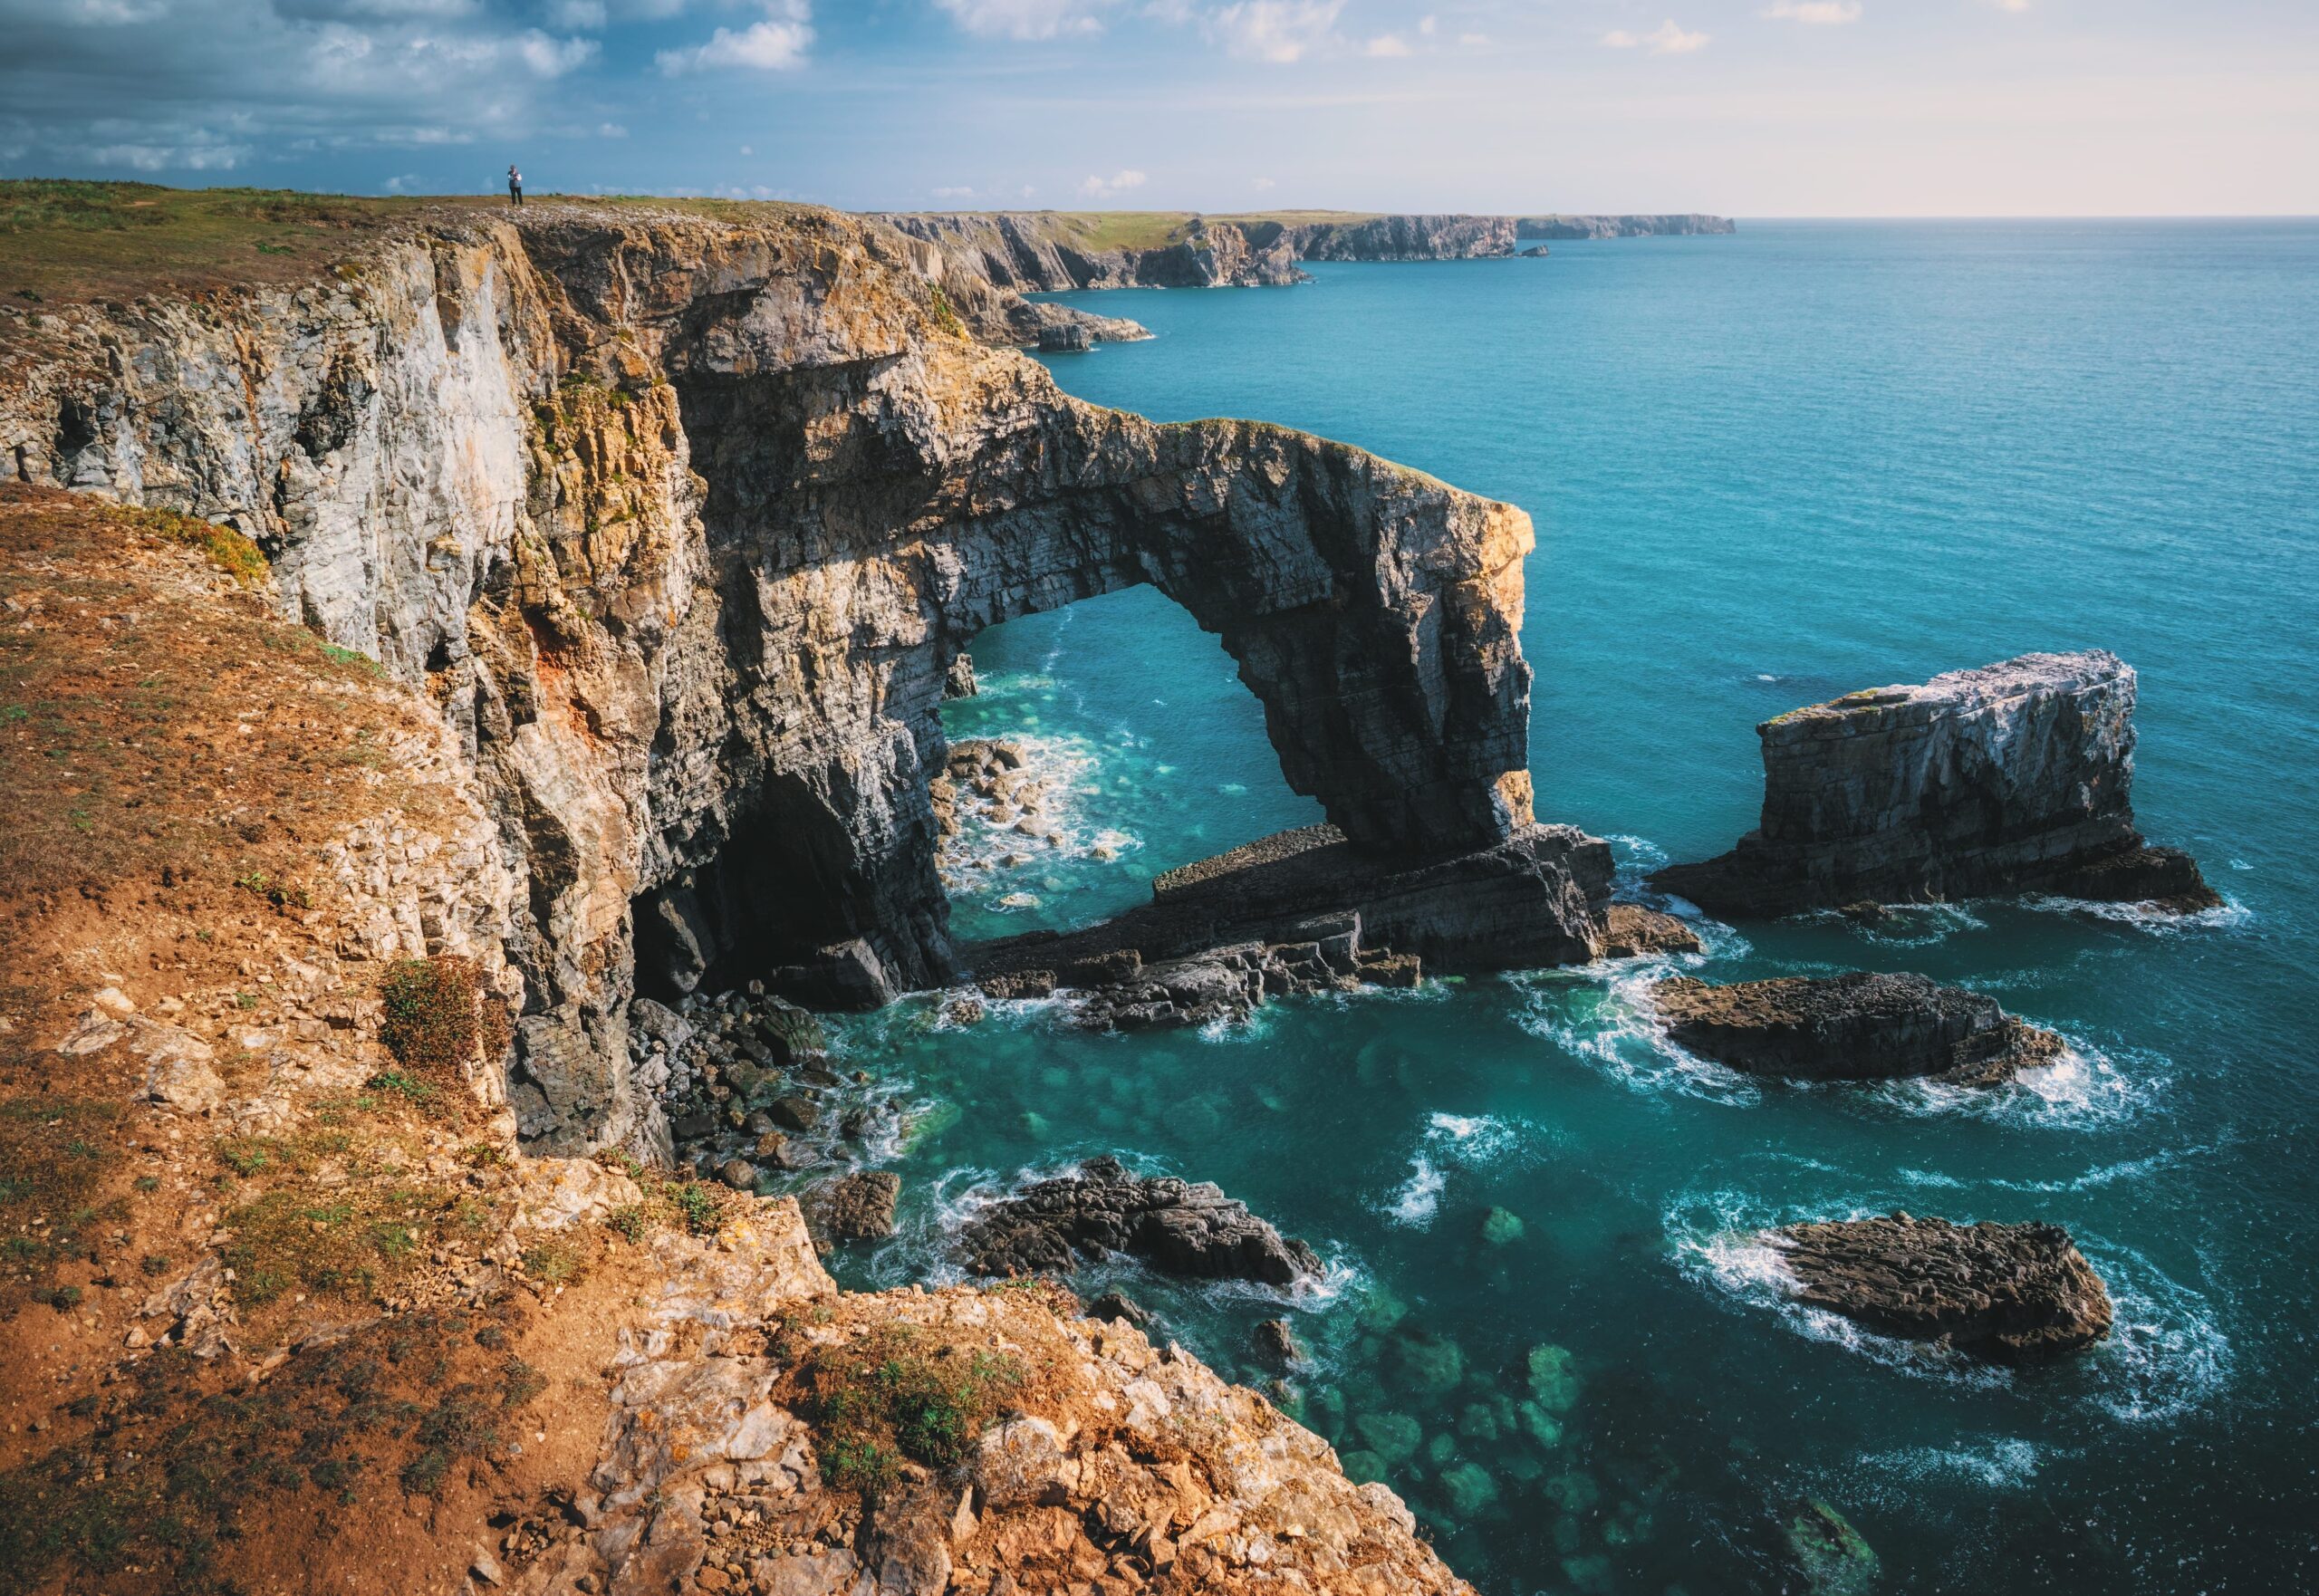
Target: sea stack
<point x="2016" y="777"/>
<point x="2007" y="1294"/>
<point x="1854" y="1027"/>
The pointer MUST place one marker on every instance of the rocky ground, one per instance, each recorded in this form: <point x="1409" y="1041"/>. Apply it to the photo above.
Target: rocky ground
<point x="1852" y="1027"/>
<point x="2005" y="1293"/>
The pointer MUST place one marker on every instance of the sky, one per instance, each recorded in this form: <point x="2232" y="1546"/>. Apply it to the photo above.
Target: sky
<point x="1744" y="108"/>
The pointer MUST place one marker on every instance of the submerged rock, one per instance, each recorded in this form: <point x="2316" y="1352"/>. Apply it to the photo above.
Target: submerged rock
<point x="1852" y="1027"/>
<point x="2016" y="777"/>
<point x="1831" y="1556"/>
<point x="1178" y="1226"/>
<point x="2005" y="1293"/>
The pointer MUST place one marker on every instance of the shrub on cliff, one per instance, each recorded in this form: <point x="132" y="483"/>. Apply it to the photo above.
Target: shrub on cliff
<point x="893" y="1394"/>
<point x="439" y="1019"/>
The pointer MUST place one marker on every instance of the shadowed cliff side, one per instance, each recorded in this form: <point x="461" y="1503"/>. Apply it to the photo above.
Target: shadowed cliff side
<point x="682" y="522"/>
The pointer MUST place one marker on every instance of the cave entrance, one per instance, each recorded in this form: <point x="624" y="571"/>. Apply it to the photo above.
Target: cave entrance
<point x="1141" y="748"/>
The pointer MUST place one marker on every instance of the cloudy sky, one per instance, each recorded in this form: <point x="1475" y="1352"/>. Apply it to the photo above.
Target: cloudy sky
<point x="1746" y="106"/>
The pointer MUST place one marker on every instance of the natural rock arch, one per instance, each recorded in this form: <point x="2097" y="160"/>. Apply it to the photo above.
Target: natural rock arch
<point x="1373" y="612"/>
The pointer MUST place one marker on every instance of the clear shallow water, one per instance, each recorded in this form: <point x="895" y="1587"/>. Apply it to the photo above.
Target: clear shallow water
<point x="1764" y="469"/>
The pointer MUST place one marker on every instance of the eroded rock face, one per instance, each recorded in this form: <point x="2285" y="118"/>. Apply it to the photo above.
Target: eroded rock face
<point x="1854" y="1027"/>
<point x="2016" y="777"/>
<point x="2006" y="1292"/>
<point x="1178" y="1226"/>
<point x="683" y="525"/>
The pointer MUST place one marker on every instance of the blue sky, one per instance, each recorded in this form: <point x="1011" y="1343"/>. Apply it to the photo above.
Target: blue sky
<point x="1744" y="106"/>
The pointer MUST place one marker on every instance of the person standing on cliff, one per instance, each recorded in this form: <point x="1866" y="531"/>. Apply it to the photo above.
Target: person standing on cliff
<point x="515" y="184"/>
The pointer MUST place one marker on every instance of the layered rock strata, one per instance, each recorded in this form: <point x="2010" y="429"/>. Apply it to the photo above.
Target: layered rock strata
<point x="2007" y="1294"/>
<point x="1679" y="224"/>
<point x="2016" y="777"/>
<point x="682" y="523"/>
<point x="1308" y="911"/>
<point x="1181" y="1227"/>
<point x="1854" y="1027"/>
<point x="1015" y="253"/>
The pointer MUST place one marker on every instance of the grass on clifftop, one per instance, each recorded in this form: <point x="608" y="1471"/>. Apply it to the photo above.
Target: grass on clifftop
<point x="62" y="240"/>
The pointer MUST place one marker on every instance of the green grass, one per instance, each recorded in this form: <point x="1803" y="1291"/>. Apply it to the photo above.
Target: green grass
<point x="896" y="1393"/>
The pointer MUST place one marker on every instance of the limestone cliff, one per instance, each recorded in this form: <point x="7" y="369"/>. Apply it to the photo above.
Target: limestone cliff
<point x="1025" y="252"/>
<point x="682" y="524"/>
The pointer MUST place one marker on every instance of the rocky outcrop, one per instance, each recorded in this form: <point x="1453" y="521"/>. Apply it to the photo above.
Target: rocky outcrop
<point x="1563" y="227"/>
<point x="1631" y="931"/>
<point x="1185" y="1228"/>
<point x="682" y="524"/>
<point x="2007" y="1294"/>
<point x="2016" y="777"/>
<point x="1852" y="1027"/>
<point x="852" y="1207"/>
<point x="1307" y="911"/>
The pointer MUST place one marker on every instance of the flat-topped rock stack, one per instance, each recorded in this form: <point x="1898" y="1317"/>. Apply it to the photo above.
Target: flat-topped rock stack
<point x="2016" y="777"/>
<point x="2007" y="1294"/>
<point x="1854" y="1027"/>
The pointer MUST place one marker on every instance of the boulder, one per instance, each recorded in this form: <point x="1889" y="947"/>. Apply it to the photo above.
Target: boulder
<point x="2016" y="777"/>
<point x="2008" y="1293"/>
<point x="1178" y="1226"/>
<point x="852" y="1207"/>
<point x="1852" y="1027"/>
<point x="1632" y="931"/>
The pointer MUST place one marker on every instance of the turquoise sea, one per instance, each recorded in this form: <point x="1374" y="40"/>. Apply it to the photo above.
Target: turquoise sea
<point x="1765" y="469"/>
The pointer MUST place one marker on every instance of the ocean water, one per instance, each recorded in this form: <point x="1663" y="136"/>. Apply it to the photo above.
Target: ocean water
<point x="1765" y="469"/>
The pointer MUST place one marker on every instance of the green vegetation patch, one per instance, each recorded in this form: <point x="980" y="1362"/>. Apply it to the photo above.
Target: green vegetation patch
<point x="53" y="1165"/>
<point x="225" y="548"/>
<point x="900" y="1392"/>
<point x="439" y="1019"/>
<point x="177" y="1470"/>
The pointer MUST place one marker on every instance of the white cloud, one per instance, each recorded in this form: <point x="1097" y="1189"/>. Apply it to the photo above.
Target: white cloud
<point x="1427" y="23"/>
<point x="406" y="184"/>
<point x="1824" y="12"/>
<point x="1109" y="187"/>
<point x="1278" y="30"/>
<point x="1666" y="39"/>
<point x="587" y="15"/>
<point x="114" y="12"/>
<point x="552" y="58"/>
<point x="2010" y="4"/>
<point x="1473" y="39"/>
<point x="1386" y="45"/>
<point x="162" y="157"/>
<point x="1260" y="184"/>
<point x="778" y="43"/>
<point x="959" y="191"/>
<point x="748" y="149"/>
<point x="1027" y="19"/>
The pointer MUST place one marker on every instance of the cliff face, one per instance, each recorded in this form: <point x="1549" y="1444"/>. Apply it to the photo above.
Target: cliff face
<point x="1680" y="225"/>
<point x="1030" y="252"/>
<point x="1404" y="238"/>
<point x="1047" y="253"/>
<point x="682" y="524"/>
